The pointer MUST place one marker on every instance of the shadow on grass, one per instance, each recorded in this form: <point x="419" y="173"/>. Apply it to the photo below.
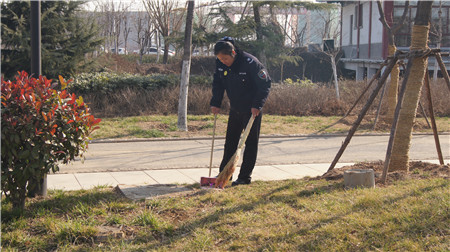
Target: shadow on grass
<point x="413" y="229"/>
<point x="148" y="191"/>
<point x="62" y="203"/>
<point x="209" y="220"/>
<point x="267" y="198"/>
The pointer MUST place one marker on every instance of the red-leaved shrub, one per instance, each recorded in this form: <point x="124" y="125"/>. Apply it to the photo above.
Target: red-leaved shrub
<point x="41" y="126"/>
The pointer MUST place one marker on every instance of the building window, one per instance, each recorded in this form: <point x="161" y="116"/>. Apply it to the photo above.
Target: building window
<point x="351" y="30"/>
<point x="403" y="36"/>
<point x="358" y="16"/>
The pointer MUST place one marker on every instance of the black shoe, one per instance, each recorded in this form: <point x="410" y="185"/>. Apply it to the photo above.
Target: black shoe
<point x="241" y="182"/>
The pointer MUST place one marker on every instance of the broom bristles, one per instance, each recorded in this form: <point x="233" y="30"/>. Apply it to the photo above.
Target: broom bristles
<point x="227" y="171"/>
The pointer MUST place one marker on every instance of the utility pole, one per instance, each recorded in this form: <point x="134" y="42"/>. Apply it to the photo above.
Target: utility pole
<point x="36" y="63"/>
<point x="36" y="70"/>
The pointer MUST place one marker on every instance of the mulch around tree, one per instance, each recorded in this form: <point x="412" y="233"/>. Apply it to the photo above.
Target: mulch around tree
<point x="417" y="170"/>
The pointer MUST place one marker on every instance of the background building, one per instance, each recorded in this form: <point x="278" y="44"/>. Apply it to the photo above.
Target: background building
<point x="365" y="42"/>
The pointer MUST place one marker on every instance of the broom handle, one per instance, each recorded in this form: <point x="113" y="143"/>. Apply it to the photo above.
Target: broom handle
<point x="246" y="132"/>
<point x="212" y="145"/>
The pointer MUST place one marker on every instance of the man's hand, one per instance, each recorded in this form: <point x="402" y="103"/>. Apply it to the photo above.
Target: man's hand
<point x="215" y="110"/>
<point x="255" y="112"/>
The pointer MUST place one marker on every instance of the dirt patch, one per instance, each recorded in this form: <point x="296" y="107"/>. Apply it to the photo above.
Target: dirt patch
<point x="107" y="232"/>
<point x="175" y="216"/>
<point x="417" y="170"/>
<point x="153" y="68"/>
<point x="120" y="64"/>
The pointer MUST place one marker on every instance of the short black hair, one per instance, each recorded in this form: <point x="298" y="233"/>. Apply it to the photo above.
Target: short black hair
<point x="224" y="47"/>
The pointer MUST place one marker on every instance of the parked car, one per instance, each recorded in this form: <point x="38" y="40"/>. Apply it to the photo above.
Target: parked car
<point x="171" y="53"/>
<point x="121" y="50"/>
<point x="154" y="50"/>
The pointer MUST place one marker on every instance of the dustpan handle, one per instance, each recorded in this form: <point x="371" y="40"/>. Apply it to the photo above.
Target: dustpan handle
<point x="212" y="145"/>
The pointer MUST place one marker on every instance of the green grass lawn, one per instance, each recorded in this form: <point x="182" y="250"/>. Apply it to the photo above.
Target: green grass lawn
<point x="156" y="126"/>
<point x="291" y="215"/>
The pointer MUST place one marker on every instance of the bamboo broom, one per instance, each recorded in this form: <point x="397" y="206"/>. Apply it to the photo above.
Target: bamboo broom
<point x="228" y="170"/>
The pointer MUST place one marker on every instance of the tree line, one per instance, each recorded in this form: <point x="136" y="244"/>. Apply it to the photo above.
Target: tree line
<point x="70" y="33"/>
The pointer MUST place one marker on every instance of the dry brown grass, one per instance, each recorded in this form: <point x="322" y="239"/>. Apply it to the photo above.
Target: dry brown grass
<point x="283" y="100"/>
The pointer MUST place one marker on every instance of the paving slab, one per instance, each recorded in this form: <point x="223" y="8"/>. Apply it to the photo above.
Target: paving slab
<point x="172" y="176"/>
<point x="91" y="180"/>
<point x="133" y="178"/>
<point x="138" y="180"/>
<point x="299" y="170"/>
<point x="323" y="168"/>
<point x="196" y="174"/>
<point x="267" y="173"/>
<point x="63" y="182"/>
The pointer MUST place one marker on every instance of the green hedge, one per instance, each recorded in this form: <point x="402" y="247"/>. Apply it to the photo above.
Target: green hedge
<point x="106" y="82"/>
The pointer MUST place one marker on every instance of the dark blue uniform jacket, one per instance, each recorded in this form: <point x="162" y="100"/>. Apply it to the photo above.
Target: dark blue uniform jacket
<point x="247" y="83"/>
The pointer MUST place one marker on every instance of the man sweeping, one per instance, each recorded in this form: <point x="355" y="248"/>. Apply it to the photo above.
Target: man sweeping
<point x="247" y="84"/>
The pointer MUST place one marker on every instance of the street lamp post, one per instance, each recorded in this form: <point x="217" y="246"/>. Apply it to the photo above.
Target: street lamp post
<point x="36" y="65"/>
<point x="36" y="70"/>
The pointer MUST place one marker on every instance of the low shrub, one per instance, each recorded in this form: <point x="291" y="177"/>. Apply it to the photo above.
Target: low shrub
<point x="299" y="98"/>
<point x="302" y="100"/>
<point x="107" y="82"/>
<point x="41" y="127"/>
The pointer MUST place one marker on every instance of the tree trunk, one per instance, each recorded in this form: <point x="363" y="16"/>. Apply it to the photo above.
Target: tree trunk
<point x="392" y="30"/>
<point x="259" y="33"/>
<point x="18" y="198"/>
<point x="402" y="138"/>
<point x="166" y="50"/>
<point x="182" y="103"/>
<point x="158" y="47"/>
<point x="336" y="83"/>
<point x="393" y="88"/>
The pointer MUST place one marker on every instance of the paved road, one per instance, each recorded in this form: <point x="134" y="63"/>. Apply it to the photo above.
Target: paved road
<point x="152" y="155"/>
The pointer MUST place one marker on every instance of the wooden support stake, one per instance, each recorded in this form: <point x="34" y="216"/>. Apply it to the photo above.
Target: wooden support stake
<point x="433" y="121"/>
<point x="395" y="122"/>
<point x="379" y="106"/>
<point x="365" y="90"/>
<point x="364" y="110"/>
<point x="424" y="114"/>
<point x="443" y="70"/>
<point x="377" y="74"/>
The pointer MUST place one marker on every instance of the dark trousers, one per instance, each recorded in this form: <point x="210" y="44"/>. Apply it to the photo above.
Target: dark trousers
<point x="237" y="121"/>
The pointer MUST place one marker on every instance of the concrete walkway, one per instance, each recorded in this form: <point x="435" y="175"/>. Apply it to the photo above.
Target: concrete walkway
<point x="78" y="181"/>
<point x="276" y="150"/>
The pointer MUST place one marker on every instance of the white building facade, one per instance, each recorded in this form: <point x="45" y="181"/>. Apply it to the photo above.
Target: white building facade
<point x="365" y="41"/>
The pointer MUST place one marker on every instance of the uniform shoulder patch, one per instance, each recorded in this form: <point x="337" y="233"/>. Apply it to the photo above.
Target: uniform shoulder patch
<point x="249" y="60"/>
<point x="262" y="74"/>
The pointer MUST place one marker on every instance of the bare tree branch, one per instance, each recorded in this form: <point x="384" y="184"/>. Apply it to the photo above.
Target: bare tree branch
<point x="402" y="19"/>
<point x="382" y="16"/>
